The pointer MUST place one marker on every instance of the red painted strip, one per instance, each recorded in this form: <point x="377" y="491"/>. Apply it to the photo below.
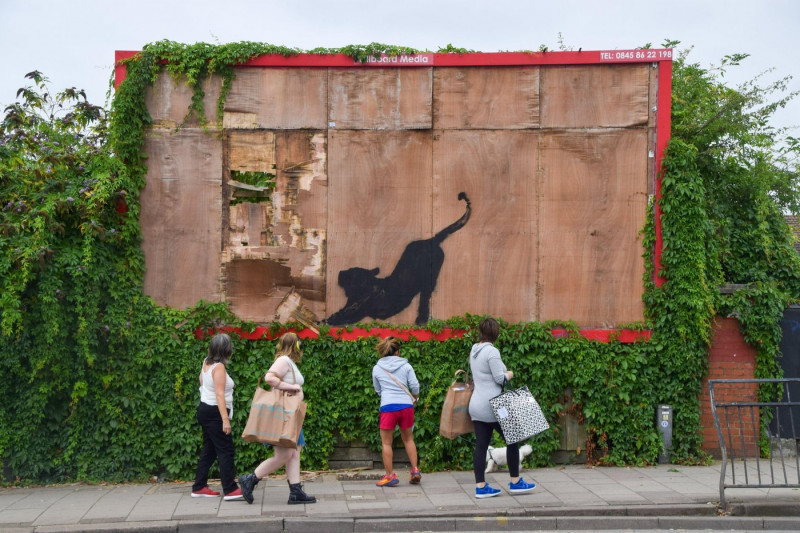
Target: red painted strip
<point x="663" y="128"/>
<point x="589" y="57"/>
<point x="120" y="71"/>
<point x="468" y="60"/>
<point x="625" y="336"/>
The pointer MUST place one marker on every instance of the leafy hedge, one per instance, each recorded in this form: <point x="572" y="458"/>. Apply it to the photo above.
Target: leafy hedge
<point x="101" y="383"/>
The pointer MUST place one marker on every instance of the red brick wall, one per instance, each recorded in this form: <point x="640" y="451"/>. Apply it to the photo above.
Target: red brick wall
<point x="729" y="357"/>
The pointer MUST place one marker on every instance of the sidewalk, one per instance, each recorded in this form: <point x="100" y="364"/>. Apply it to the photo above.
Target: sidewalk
<point x="566" y="498"/>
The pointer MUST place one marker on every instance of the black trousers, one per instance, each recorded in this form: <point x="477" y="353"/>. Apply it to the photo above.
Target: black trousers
<point x="216" y="446"/>
<point x="483" y="436"/>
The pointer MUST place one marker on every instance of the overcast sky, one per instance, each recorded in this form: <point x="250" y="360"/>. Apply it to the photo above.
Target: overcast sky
<point x="73" y="41"/>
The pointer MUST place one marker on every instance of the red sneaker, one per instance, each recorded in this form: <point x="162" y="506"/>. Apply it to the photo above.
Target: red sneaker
<point x="416" y="477"/>
<point x="235" y="495"/>
<point x="205" y="492"/>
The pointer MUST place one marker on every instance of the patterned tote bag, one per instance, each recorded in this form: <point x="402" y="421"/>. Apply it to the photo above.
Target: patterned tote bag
<point x="519" y="414"/>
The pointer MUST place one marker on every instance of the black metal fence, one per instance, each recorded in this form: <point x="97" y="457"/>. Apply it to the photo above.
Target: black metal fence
<point x="737" y="417"/>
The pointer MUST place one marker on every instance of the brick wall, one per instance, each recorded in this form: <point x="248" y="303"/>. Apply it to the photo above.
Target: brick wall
<point x="729" y="357"/>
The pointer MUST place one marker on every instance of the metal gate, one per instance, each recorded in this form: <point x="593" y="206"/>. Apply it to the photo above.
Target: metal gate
<point x="738" y="426"/>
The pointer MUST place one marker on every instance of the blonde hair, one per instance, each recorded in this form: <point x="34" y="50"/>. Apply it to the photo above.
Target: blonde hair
<point x="289" y="344"/>
<point x="388" y="346"/>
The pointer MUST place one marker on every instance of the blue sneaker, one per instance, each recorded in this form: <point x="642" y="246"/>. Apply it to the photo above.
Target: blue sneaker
<point x="486" y="491"/>
<point x="520" y="487"/>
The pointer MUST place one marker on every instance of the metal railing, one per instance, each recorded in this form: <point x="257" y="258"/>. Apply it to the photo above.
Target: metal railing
<point x="738" y="426"/>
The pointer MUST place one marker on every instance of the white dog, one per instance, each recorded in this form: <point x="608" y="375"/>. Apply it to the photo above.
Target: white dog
<point x="497" y="457"/>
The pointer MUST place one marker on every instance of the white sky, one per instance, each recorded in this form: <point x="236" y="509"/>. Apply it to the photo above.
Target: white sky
<point x="73" y="42"/>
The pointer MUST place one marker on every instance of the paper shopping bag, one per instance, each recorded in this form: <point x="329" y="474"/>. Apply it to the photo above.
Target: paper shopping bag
<point x="276" y="417"/>
<point x="455" y="418"/>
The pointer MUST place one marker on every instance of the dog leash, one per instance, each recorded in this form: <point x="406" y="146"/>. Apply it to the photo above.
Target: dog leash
<point x="489" y="451"/>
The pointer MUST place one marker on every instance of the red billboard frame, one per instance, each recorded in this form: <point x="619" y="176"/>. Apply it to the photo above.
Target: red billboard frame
<point x="660" y="57"/>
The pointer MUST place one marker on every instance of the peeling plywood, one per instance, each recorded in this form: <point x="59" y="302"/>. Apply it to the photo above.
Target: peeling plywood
<point x="232" y="120"/>
<point x="274" y="246"/>
<point x="252" y="151"/>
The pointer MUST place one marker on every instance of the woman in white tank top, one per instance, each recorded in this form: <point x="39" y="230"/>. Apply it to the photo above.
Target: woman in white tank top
<point x="214" y="416"/>
<point x="283" y="375"/>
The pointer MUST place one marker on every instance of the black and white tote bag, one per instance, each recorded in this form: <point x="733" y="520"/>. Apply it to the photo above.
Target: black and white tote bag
<point x="519" y="414"/>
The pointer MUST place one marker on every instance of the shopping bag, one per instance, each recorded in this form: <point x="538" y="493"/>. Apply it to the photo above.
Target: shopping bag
<point x="276" y="417"/>
<point x="518" y="414"/>
<point x="455" y="419"/>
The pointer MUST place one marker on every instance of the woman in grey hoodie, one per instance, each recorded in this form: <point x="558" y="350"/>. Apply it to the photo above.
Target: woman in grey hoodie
<point x="489" y="373"/>
<point x="392" y="378"/>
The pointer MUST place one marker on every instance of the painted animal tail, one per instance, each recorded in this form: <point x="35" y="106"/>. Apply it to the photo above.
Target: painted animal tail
<point x="458" y="224"/>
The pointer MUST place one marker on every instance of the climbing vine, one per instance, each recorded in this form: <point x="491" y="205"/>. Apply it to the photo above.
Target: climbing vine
<point x="101" y="383"/>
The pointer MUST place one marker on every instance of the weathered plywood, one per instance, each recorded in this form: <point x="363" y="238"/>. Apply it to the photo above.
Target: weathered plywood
<point x="591" y="96"/>
<point x="380" y="98"/>
<point x="556" y="161"/>
<point x="379" y="202"/>
<point x="275" y="251"/>
<point x="594" y="203"/>
<point x="490" y="264"/>
<point x="180" y="217"/>
<point x="277" y="98"/>
<point x="252" y="151"/>
<point x="492" y="98"/>
<point x="168" y="101"/>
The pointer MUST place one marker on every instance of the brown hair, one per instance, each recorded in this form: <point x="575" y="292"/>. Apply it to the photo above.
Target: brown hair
<point x="289" y="344"/>
<point x="489" y="329"/>
<point x="388" y="346"/>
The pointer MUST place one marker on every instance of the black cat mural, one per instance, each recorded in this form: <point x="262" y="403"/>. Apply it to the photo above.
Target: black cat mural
<point x="416" y="273"/>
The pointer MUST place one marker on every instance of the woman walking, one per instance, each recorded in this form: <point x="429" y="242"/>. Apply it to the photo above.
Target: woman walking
<point x="489" y="373"/>
<point x="283" y="375"/>
<point x="214" y="416"/>
<point x="392" y="378"/>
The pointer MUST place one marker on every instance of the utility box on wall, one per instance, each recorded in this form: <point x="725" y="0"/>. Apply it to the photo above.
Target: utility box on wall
<point x="410" y="187"/>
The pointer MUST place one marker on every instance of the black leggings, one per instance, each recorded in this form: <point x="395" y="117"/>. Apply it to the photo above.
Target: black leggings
<point x="483" y="436"/>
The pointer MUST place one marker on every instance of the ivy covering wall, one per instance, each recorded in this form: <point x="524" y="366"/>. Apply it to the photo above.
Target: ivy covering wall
<point x="100" y="383"/>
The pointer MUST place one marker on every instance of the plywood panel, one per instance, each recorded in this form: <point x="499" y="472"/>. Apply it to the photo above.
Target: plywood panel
<point x="379" y="202"/>
<point x="276" y="98"/>
<point x="490" y="264"/>
<point x="379" y="98"/>
<point x="168" y="101"/>
<point x="493" y="98"/>
<point x="274" y="260"/>
<point x="252" y="151"/>
<point x="590" y="96"/>
<point x="180" y="217"/>
<point x="594" y="203"/>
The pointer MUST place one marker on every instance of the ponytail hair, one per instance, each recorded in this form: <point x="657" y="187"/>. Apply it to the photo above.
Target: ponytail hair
<point x="388" y="346"/>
